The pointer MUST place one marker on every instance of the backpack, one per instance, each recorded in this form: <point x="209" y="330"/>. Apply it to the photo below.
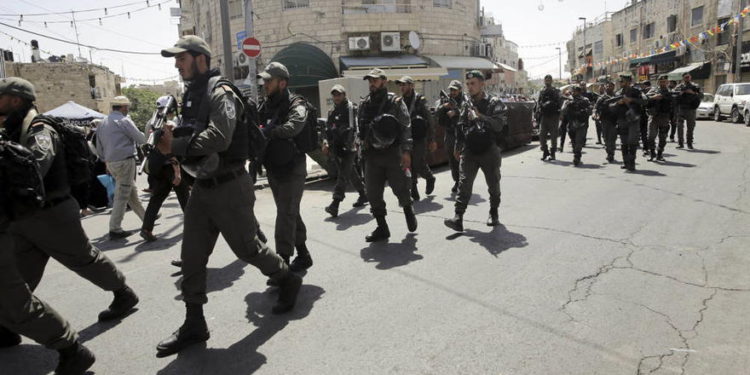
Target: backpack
<point x="418" y="123"/>
<point x="308" y="139"/>
<point x="78" y="155"/>
<point x="257" y="142"/>
<point x="21" y="184"/>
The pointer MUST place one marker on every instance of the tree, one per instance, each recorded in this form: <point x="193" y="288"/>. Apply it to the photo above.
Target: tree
<point x="143" y="105"/>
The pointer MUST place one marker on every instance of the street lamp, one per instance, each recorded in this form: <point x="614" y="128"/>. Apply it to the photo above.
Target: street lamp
<point x="584" y="45"/>
<point x="559" y="52"/>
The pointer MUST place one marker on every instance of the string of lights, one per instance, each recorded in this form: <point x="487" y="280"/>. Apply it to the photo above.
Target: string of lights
<point x="105" y="10"/>
<point x="21" y="20"/>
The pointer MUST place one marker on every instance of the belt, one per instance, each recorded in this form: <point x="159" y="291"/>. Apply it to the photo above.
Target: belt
<point x="55" y="202"/>
<point x="210" y="183"/>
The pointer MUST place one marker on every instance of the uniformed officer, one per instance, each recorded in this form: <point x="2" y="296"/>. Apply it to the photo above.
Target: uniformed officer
<point x="608" y="120"/>
<point x="385" y="134"/>
<point x="282" y="117"/>
<point x="673" y="120"/>
<point x="55" y="230"/>
<point x="628" y="109"/>
<point x="661" y="108"/>
<point x="549" y="104"/>
<point x="481" y="121"/>
<point x="689" y="96"/>
<point x="577" y="114"/>
<point x="447" y="115"/>
<point x="644" y="87"/>
<point x="340" y="145"/>
<point x="422" y="134"/>
<point x="214" y="148"/>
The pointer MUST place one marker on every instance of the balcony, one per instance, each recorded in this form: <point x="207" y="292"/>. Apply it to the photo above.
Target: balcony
<point x="378" y="6"/>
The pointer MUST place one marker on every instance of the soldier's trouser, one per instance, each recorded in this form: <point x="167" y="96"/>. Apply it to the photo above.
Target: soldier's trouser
<point x="24" y="313"/>
<point x="673" y="124"/>
<point x="489" y="162"/>
<point x="644" y="131"/>
<point x="578" y="138"/>
<point x="226" y="209"/>
<point x="686" y="115"/>
<point x="599" y="130"/>
<point x="629" y="133"/>
<point x="548" y="129"/>
<point x="419" y="167"/>
<point x="162" y="186"/>
<point x="658" y="126"/>
<point x="450" y="148"/>
<point x="563" y="130"/>
<point x="346" y="173"/>
<point x="126" y="193"/>
<point x="382" y="166"/>
<point x="287" y="187"/>
<point x="609" y="128"/>
<point x="57" y="232"/>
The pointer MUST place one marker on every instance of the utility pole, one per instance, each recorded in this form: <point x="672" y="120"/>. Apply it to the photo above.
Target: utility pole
<point x="738" y="57"/>
<point x="226" y="39"/>
<point x="585" y="62"/>
<point x="559" y="52"/>
<point x="75" y="27"/>
<point x="252" y="71"/>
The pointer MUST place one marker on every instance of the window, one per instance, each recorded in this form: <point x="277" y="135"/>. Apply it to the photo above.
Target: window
<point x="442" y="3"/>
<point x="598" y="48"/>
<point x="618" y="40"/>
<point x="672" y="23"/>
<point x="292" y="4"/>
<point x="633" y="35"/>
<point x="648" y="31"/>
<point x="723" y="38"/>
<point x="743" y="89"/>
<point x="697" y="19"/>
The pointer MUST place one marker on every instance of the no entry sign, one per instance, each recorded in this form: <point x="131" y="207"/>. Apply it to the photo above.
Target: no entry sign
<point x="251" y="47"/>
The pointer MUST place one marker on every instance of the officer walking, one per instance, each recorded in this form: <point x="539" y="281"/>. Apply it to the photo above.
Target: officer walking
<point x="577" y="114"/>
<point x="661" y="108"/>
<point x="116" y="143"/>
<point x="422" y="134"/>
<point x="55" y="230"/>
<point x="447" y="115"/>
<point x="644" y="87"/>
<point x="673" y="119"/>
<point x="628" y="109"/>
<point x="608" y="120"/>
<point x="213" y="142"/>
<point x="689" y="96"/>
<point x="340" y="145"/>
<point x="482" y="119"/>
<point x="549" y="105"/>
<point x="282" y="118"/>
<point x="385" y="133"/>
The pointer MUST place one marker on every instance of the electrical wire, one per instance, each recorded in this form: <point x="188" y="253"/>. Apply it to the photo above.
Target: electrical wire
<point x="104" y="9"/>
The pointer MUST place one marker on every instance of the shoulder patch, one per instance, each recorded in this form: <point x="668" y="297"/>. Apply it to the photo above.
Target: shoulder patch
<point x="229" y="109"/>
<point x="43" y="140"/>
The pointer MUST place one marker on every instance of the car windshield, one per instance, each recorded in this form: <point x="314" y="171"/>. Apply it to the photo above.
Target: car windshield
<point x="708" y="98"/>
<point x="743" y="89"/>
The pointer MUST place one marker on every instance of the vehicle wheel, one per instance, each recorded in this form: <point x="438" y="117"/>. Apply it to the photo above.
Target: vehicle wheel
<point x="717" y="114"/>
<point x="746" y="118"/>
<point x="736" y="117"/>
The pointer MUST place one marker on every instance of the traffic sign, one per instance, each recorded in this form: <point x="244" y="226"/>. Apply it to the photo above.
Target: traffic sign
<point x="251" y="47"/>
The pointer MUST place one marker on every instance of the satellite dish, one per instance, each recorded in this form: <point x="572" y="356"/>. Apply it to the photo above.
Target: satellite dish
<point x="414" y="40"/>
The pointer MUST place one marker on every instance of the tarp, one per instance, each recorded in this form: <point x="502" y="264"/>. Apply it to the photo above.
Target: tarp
<point x="463" y="62"/>
<point x="382" y="62"/>
<point x="699" y="70"/>
<point x="74" y="111"/>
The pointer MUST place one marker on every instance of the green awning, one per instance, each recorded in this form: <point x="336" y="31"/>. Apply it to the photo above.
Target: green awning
<point x="699" y="70"/>
<point x="307" y="65"/>
<point x="659" y="58"/>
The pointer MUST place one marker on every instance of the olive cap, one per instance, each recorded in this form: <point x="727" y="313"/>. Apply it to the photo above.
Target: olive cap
<point x="188" y="43"/>
<point x="18" y="87"/>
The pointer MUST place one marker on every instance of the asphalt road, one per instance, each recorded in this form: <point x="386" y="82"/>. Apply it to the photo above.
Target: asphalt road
<point x="594" y="271"/>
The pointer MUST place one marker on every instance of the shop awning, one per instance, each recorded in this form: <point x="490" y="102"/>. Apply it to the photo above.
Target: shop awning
<point x="587" y="53"/>
<point x="699" y="70"/>
<point x="659" y="58"/>
<point x="418" y="74"/>
<point x="462" y="62"/>
<point x="74" y="111"/>
<point x="382" y="62"/>
<point x="507" y="68"/>
<point x="307" y="64"/>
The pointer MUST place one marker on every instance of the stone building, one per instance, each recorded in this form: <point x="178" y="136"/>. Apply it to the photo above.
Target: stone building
<point x="431" y="40"/>
<point x="56" y="83"/>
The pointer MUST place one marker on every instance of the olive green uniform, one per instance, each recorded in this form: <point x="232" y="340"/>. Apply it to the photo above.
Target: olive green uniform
<point x="417" y="105"/>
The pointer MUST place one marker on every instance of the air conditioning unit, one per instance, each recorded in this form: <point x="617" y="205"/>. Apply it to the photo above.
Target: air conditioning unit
<point x="390" y="42"/>
<point x="240" y="59"/>
<point x="359" y="43"/>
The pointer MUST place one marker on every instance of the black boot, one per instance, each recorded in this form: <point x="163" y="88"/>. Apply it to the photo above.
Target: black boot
<point x="125" y="300"/>
<point x="333" y="209"/>
<point x="690" y="145"/>
<point x="261" y="236"/>
<point x="552" y="154"/>
<point x="193" y="331"/>
<point x="457" y="223"/>
<point x="176" y="263"/>
<point x="74" y="360"/>
<point x="414" y="193"/>
<point x="660" y="156"/>
<point x="288" y="290"/>
<point x="652" y="154"/>
<point x="361" y="201"/>
<point x="430" y="186"/>
<point x="8" y="338"/>
<point x="545" y="155"/>
<point x="411" y="218"/>
<point x="681" y="145"/>
<point x="494" y="219"/>
<point x="303" y="260"/>
<point x="610" y="158"/>
<point x="381" y="233"/>
<point x="577" y="160"/>
<point x="454" y="189"/>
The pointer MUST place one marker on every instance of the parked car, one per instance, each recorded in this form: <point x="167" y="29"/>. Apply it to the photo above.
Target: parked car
<point x="706" y="109"/>
<point x="730" y="101"/>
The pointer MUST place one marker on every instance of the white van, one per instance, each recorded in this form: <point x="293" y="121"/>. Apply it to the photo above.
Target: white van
<point x="730" y="101"/>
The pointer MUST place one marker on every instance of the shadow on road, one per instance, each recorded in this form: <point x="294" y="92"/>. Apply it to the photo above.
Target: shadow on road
<point x="391" y="255"/>
<point x="219" y="278"/>
<point x="670" y="163"/>
<point x="646" y="172"/>
<point x="243" y="356"/>
<point x="351" y="218"/>
<point x="696" y="151"/>
<point x="427" y="204"/>
<point x="475" y="199"/>
<point x="495" y="241"/>
<point x="29" y="359"/>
